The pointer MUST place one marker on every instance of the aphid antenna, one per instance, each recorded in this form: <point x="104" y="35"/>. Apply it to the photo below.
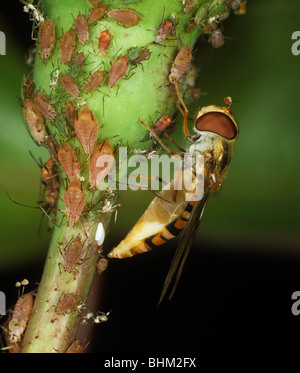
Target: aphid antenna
<point x="20" y="204"/>
<point x="38" y="162"/>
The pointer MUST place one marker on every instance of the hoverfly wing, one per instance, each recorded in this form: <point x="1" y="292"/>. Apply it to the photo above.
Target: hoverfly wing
<point x="183" y="249"/>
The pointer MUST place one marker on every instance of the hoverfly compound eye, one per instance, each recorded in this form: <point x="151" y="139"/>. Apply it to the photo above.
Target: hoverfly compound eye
<point x="217" y="120"/>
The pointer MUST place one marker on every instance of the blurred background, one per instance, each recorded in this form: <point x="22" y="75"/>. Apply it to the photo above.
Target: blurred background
<point x="235" y="292"/>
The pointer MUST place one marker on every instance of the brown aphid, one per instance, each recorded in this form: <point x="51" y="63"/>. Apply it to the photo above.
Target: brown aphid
<point x="49" y="173"/>
<point x="67" y="46"/>
<point x="217" y="39"/>
<point x="44" y="106"/>
<point x="97" y="13"/>
<point x="70" y="112"/>
<point x="47" y="38"/>
<point x="79" y="59"/>
<point x="69" y="85"/>
<point x="50" y="179"/>
<point x="95" y="80"/>
<point x="72" y="255"/>
<point x="125" y="16"/>
<point x="117" y="70"/>
<point x="104" y="41"/>
<point x="74" y="200"/>
<point x="163" y="31"/>
<point x="86" y="128"/>
<point x="76" y="347"/>
<point x="66" y="304"/>
<point x="28" y="88"/>
<point x="82" y="28"/>
<point x="52" y="146"/>
<point x="67" y="159"/>
<point x="20" y="317"/>
<point x="101" y="265"/>
<point x="180" y="64"/>
<point x="188" y="6"/>
<point x="142" y="56"/>
<point x="162" y="124"/>
<point x="104" y="149"/>
<point x="35" y="121"/>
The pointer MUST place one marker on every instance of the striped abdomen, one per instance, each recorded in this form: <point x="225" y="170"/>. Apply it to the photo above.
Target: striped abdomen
<point x="171" y="230"/>
<point x="161" y="222"/>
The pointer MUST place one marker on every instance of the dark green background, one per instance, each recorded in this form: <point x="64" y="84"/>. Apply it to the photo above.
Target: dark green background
<point x="248" y="244"/>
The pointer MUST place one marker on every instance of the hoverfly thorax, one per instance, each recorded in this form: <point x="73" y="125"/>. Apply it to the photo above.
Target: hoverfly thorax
<point x="216" y="130"/>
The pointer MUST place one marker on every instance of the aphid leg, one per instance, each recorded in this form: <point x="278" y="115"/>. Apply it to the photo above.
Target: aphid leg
<point x="173" y="142"/>
<point x="186" y="111"/>
<point x="158" y="139"/>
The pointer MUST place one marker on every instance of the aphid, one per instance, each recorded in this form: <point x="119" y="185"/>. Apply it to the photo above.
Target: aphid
<point x="95" y="80"/>
<point x="28" y="88"/>
<point x="72" y="255"/>
<point x="163" y="31"/>
<point x="66" y="304"/>
<point x="180" y="64"/>
<point x="125" y="16"/>
<point x="178" y="69"/>
<point x="188" y="6"/>
<point x="35" y="121"/>
<point x="44" y="106"/>
<point x="50" y="179"/>
<point x="74" y="200"/>
<point x="86" y="128"/>
<point x="217" y="39"/>
<point x="143" y="55"/>
<point x="101" y="265"/>
<point x="20" y="317"/>
<point x="79" y="59"/>
<point x="118" y="70"/>
<point x="97" y="13"/>
<point x="70" y="112"/>
<point x="104" y="41"/>
<point x="69" y="85"/>
<point x="67" y="45"/>
<point x="215" y="131"/>
<point x="162" y="124"/>
<point x="47" y="38"/>
<point x="82" y="28"/>
<point x="104" y="149"/>
<point x="67" y="159"/>
<point x="76" y="347"/>
<point x="52" y="146"/>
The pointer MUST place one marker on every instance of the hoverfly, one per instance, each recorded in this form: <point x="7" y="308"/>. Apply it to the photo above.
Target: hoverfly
<point x="171" y="211"/>
<point x="215" y="132"/>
